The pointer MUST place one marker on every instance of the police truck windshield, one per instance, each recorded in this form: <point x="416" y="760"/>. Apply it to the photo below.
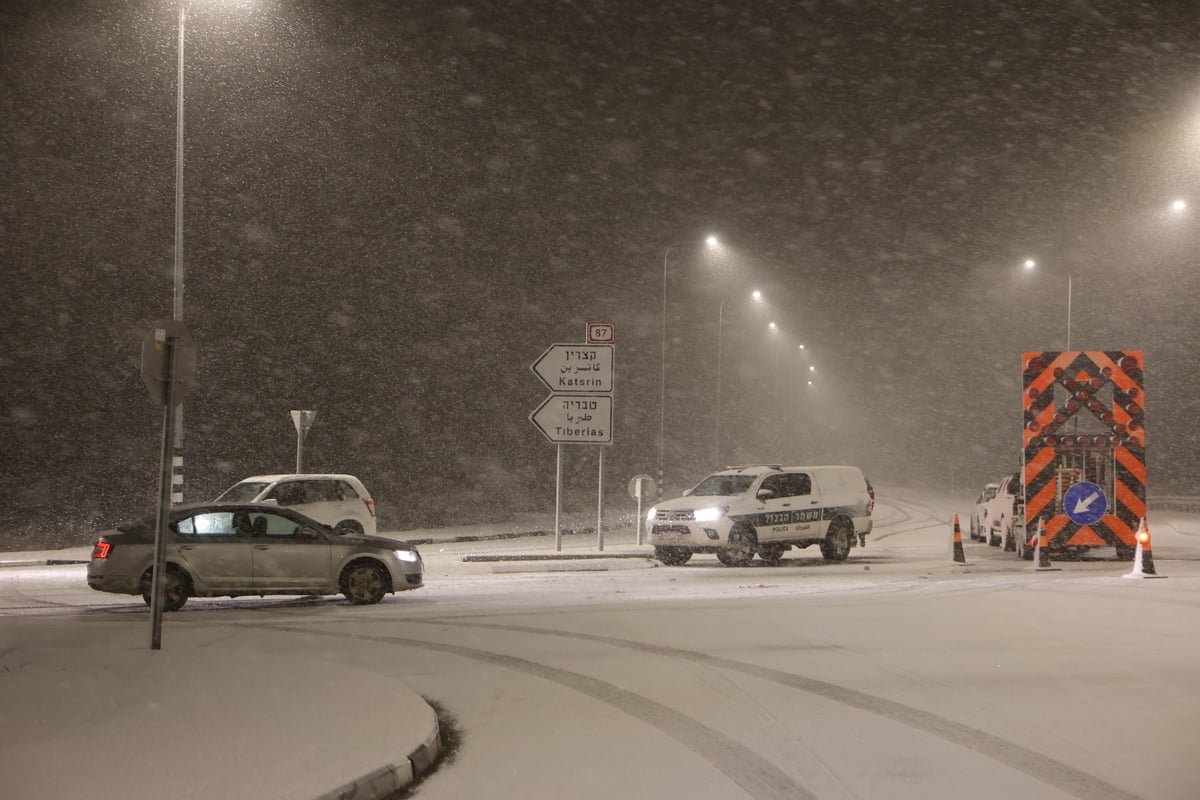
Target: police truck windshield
<point x="723" y="485"/>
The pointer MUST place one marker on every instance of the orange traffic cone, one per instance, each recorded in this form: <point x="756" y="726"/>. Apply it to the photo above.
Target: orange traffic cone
<point x="1143" y="558"/>
<point x="1041" y="554"/>
<point x="959" y="556"/>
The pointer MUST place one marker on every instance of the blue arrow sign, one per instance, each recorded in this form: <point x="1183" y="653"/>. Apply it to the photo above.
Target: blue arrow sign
<point x="1085" y="503"/>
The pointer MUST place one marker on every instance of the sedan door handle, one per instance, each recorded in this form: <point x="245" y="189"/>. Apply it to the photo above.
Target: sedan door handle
<point x="187" y="547"/>
<point x="262" y="547"/>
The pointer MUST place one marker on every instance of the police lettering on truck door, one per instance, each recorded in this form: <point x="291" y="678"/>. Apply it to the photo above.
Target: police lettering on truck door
<point x="782" y="521"/>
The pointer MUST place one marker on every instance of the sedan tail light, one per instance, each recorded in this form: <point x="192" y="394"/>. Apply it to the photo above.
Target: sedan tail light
<point x="370" y="505"/>
<point x="102" y="549"/>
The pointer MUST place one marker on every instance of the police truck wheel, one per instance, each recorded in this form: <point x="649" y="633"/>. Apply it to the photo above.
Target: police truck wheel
<point x="673" y="556"/>
<point x="836" y="544"/>
<point x="1010" y="540"/>
<point x="740" y="550"/>
<point x="771" y="553"/>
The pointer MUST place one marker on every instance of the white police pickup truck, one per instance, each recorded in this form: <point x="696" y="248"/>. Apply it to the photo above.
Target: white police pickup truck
<point x="765" y="509"/>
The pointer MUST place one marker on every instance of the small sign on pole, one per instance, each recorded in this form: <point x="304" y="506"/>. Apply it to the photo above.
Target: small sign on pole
<point x="640" y="486"/>
<point x="168" y="362"/>
<point x="303" y="421"/>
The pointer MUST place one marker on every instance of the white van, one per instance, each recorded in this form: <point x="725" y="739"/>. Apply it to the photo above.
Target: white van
<point x="339" y="501"/>
<point x="766" y="509"/>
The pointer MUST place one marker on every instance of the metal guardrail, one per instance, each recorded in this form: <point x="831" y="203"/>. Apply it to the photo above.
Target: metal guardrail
<point x="1189" y="505"/>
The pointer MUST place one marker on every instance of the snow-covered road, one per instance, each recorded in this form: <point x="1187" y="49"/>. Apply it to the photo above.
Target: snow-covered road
<point x="897" y="674"/>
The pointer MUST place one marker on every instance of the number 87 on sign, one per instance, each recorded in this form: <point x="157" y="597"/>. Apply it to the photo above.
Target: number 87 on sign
<point x="601" y="332"/>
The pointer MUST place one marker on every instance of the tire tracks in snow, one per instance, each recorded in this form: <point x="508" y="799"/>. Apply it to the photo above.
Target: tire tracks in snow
<point x="755" y="775"/>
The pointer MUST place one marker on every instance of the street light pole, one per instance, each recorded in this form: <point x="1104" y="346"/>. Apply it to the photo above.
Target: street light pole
<point x="1031" y="264"/>
<point x="662" y="381"/>
<point x="177" y="311"/>
<point x="712" y="243"/>
<point x="1068" y="312"/>
<point x="720" y="342"/>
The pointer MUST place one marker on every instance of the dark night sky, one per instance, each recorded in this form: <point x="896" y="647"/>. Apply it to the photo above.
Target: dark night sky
<point x="393" y="208"/>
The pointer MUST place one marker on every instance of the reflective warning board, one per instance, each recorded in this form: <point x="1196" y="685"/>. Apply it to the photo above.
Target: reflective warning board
<point x="1085" y="446"/>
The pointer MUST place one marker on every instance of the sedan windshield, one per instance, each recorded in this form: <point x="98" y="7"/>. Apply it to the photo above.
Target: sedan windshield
<point x="724" y="485"/>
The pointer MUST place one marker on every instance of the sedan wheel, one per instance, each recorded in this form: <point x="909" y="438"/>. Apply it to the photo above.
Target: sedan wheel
<point x="176" y="588"/>
<point x="740" y="550"/>
<point x="364" y="583"/>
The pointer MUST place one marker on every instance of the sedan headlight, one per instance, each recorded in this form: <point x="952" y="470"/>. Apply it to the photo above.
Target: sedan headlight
<point x="710" y="514"/>
<point x="407" y="555"/>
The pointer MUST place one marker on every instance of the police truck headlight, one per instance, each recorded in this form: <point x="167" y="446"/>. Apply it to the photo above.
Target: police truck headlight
<point x="651" y="514"/>
<point x="710" y="514"/>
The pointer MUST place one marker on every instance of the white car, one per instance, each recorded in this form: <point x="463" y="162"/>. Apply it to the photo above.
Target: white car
<point x="979" y="515"/>
<point x="339" y="501"/>
<point x="765" y="509"/>
<point x="1004" y="513"/>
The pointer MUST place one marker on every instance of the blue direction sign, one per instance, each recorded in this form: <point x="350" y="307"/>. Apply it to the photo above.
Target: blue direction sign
<point x="1085" y="503"/>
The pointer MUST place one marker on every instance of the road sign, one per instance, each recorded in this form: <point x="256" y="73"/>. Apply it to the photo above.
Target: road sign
<point x="303" y="420"/>
<point x="641" y="486"/>
<point x="1085" y="503"/>
<point x="602" y="333"/>
<point x="168" y="336"/>
<point x="576" y="368"/>
<point x="575" y="419"/>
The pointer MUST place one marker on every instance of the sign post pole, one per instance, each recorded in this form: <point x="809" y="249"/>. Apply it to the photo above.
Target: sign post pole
<point x="639" y="512"/>
<point x="169" y="371"/>
<point x="558" y="500"/>
<point x="638" y="491"/>
<point x="600" y="506"/>
<point x="164" y="497"/>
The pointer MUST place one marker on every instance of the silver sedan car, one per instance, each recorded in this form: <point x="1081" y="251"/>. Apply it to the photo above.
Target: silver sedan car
<point x="234" y="549"/>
